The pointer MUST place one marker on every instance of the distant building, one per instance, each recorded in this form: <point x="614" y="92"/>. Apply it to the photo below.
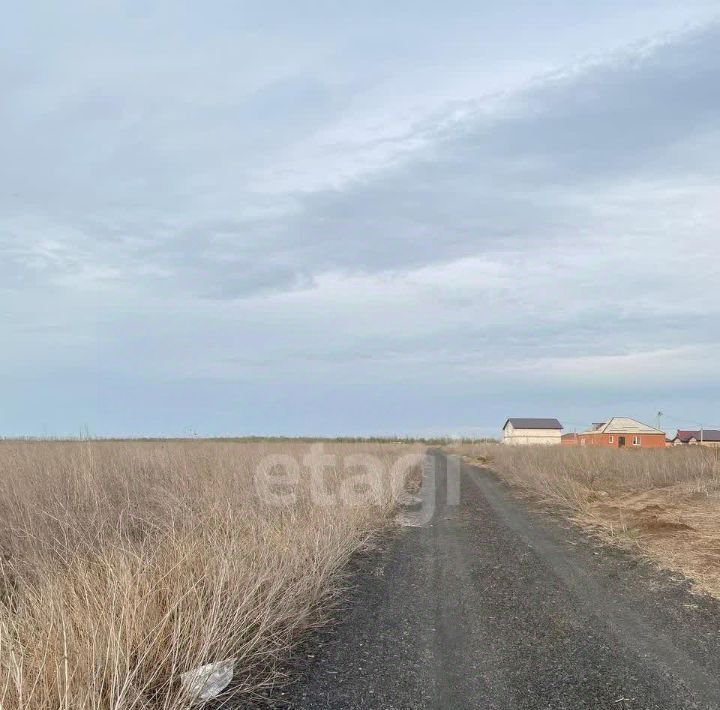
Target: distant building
<point x="699" y="437"/>
<point x="683" y="436"/>
<point x="621" y="432"/>
<point x="569" y="439"/>
<point x="520" y="431"/>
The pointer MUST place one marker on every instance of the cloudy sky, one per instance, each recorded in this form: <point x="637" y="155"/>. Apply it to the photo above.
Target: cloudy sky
<point x="366" y="217"/>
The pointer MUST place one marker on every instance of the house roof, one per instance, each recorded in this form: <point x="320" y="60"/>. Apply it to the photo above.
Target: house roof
<point x="625" y="425"/>
<point x="707" y="435"/>
<point x="530" y="423"/>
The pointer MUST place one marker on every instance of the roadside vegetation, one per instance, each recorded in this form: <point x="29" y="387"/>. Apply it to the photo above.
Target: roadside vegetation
<point x="125" y="564"/>
<point x="664" y="504"/>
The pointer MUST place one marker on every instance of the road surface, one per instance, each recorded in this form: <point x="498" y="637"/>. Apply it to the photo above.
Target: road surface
<point x="491" y="605"/>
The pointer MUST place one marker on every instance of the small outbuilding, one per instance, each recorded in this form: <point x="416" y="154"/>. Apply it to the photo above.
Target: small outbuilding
<point x="524" y="431"/>
<point x="570" y="439"/>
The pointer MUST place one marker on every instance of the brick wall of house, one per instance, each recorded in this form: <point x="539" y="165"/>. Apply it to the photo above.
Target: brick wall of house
<point x="645" y="441"/>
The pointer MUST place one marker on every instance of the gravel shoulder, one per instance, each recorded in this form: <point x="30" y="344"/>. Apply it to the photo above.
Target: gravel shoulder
<point x="494" y="605"/>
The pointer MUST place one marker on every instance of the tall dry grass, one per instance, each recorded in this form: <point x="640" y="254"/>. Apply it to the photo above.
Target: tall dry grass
<point x="126" y="564"/>
<point x="663" y="503"/>
<point x="575" y="477"/>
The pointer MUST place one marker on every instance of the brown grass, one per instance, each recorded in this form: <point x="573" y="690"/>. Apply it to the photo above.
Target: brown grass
<point x="125" y="564"/>
<point x="664" y="504"/>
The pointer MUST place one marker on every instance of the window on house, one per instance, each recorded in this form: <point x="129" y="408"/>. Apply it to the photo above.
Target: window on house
<point x="636" y="441"/>
<point x="612" y="439"/>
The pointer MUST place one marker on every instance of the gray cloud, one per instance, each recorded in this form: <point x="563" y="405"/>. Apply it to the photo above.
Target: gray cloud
<point x="513" y="181"/>
<point x="497" y="181"/>
<point x="505" y="181"/>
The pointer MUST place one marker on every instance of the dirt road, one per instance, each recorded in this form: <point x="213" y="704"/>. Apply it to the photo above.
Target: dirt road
<point x="490" y="605"/>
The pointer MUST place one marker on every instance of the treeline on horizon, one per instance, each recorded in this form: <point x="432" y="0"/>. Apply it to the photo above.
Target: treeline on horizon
<point x="437" y="440"/>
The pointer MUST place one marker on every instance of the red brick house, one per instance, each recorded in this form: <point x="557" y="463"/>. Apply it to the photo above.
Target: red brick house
<point x="623" y="432"/>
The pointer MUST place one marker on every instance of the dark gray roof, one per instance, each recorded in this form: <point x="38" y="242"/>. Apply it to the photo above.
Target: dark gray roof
<point x="708" y="435"/>
<point x="525" y="423"/>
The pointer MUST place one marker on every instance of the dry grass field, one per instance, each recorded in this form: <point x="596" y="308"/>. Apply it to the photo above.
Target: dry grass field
<point x="125" y="564"/>
<point x="665" y="504"/>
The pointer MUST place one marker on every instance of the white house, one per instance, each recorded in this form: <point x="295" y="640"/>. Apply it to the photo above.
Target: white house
<point x="525" y="432"/>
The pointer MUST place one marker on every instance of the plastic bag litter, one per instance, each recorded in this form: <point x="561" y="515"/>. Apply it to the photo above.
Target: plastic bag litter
<point x="207" y="682"/>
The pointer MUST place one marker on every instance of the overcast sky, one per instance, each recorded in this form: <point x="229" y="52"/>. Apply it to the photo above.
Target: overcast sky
<point x="357" y="217"/>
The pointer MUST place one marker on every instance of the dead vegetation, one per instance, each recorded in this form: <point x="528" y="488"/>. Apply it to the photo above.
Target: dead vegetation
<point x="665" y="504"/>
<point x="125" y="564"/>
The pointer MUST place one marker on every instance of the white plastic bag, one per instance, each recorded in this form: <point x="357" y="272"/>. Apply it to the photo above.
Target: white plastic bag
<point x="206" y="682"/>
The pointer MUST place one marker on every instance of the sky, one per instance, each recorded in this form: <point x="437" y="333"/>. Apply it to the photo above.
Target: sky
<point x="323" y="218"/>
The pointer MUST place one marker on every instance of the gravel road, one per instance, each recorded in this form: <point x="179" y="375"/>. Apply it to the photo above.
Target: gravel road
<point x="492" y="605"/>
